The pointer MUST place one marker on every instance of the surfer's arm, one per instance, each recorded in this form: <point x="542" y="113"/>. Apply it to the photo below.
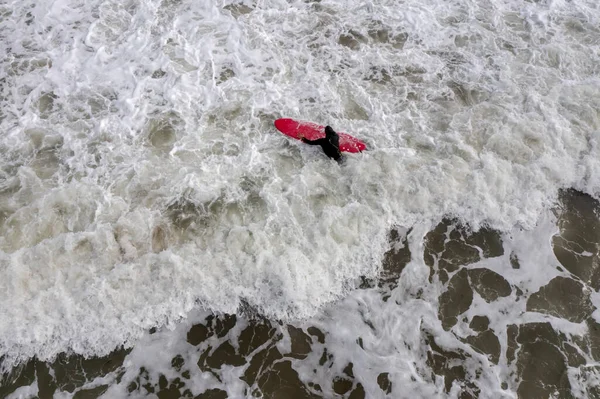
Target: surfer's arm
<point x="314" y="142"/>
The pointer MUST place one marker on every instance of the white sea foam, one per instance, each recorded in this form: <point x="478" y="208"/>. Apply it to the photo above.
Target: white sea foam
<point x="391" y="332"/>
<point x="132" y="127"/>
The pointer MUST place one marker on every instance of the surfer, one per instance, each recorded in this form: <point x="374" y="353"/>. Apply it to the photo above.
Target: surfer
<point x="330" y="143"/>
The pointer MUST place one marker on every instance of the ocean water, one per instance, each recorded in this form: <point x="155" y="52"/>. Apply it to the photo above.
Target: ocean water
<point x="159" y="238"/>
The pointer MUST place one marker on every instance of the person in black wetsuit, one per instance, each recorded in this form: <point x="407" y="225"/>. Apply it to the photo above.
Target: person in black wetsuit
<point x="330" y="144"/>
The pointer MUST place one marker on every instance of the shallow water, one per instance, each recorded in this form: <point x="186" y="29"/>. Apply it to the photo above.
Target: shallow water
<point x="479" y="333"/>
<point x="142" y="186"/>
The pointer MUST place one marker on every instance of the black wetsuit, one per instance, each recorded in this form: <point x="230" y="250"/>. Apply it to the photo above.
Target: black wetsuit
<point x="330" y="143"/>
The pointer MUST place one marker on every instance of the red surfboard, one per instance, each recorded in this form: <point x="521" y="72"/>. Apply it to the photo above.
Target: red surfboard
<point x="312" y="131"/>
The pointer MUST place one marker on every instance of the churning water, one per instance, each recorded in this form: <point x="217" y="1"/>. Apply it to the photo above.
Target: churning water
<point x="143" y="186"/>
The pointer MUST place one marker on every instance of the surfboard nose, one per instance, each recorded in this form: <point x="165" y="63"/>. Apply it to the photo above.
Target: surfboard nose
<point x="282" y="123"/>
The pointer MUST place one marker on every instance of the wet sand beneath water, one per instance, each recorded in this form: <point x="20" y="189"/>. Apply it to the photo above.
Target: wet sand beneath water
<point x="541" y="360"/>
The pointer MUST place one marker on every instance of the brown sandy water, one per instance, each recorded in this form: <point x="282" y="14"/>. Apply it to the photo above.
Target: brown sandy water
<point x="123" y="128"/>
<point x="538" y="358"/>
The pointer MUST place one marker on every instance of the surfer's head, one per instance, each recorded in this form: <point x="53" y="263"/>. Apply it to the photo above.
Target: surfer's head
<point x="329" y="131"/>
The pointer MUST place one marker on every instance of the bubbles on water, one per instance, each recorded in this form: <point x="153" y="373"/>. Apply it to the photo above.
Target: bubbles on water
<point x="47" y="104"/>
<point x="139" y="143"/>
<point x="238" y="9"/>
<point x="162" y="131"/>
